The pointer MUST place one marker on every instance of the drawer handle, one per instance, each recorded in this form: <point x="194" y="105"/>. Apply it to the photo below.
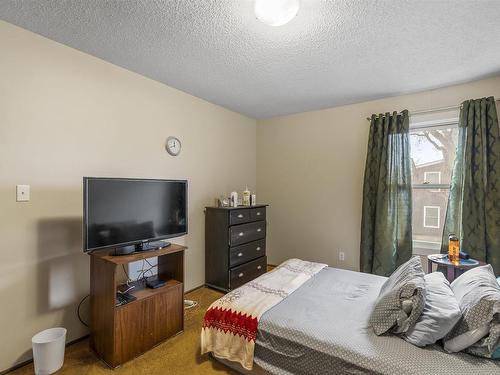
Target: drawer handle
<point x="259" y="230"/>
<point x="259" y="267"/>
<point x="258" y="213"/>
<point x="241" y="234"/>
<point x="258" y="248"/>
<point x="240" y="275"/>
<point x="240" y="216"/>
<point x="240" y="254"/>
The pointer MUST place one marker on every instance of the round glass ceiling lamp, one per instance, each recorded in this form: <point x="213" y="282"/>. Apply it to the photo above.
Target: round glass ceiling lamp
<point x="276" y="12"/>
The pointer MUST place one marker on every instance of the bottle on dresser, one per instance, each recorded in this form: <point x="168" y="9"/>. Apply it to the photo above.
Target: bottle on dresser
<point x="246" y="197"/>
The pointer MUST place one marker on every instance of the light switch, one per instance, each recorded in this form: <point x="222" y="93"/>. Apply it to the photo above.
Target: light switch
<point x="23" y="193"/>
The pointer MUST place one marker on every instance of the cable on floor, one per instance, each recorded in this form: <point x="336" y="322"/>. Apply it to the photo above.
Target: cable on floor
<point x="78" y="310"/>
<point x="189" y="304"/>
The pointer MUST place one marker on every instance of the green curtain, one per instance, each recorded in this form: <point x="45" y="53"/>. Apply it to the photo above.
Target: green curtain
<point x="386" y="239"/>
<point x="473" y="212"/>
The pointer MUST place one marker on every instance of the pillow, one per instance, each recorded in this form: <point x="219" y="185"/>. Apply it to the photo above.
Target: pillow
<point x="401" y="299"/>
<point x="463" y="341"/>
<point x="441" y="312"/>
<point x="478" y="295"/>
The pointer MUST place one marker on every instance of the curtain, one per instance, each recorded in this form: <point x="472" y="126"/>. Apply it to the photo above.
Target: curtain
<point x="386" y="239"/>
<point x="473" y="212"/>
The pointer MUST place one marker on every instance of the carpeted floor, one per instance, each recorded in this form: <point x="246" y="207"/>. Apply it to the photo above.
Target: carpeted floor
<point x="178" y="355"/>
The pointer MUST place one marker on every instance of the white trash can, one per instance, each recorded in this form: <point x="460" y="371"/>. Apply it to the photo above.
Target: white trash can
<point x="48" y="350"/>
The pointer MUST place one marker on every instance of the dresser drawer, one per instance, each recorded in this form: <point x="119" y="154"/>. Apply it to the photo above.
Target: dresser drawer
<point x="244" y="253"/>
<point x="247" y="272"/>
<point x="239" y="216"/>
<point x="240" y="234"/>
<point x="258" y="213"/>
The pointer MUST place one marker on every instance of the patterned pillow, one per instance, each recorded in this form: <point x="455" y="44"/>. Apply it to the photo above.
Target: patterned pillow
<point x="401" y="299"/>
<point x="478" y="295"/>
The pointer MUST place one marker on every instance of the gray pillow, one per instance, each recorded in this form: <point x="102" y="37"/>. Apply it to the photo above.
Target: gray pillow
<point x="401" y="299"/>
<point x="478" y="295"/>
<point x="441" y="312"/>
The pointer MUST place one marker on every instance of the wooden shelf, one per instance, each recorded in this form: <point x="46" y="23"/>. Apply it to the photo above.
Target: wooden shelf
<point x="141" y="291"/>
<point x="125" y="259"/>
<point x="120" y="333"/>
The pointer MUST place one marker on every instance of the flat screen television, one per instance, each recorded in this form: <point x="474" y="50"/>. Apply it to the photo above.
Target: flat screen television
<point x="131" y="214"/>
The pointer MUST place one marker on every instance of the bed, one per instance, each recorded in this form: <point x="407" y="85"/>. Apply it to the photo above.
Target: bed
<point x="322" y="328"/>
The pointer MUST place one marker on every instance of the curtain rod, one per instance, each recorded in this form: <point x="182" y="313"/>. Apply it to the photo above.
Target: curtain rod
<point x="441" y="109"/>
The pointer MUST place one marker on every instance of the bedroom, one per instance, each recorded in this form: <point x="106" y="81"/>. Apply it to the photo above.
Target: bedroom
<point x="93" y="88"/>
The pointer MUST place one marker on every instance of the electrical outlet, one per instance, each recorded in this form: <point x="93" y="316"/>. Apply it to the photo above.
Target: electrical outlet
<point x="341" y="256"/>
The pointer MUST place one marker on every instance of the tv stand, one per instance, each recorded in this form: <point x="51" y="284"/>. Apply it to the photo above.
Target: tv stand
<point x="143" y="246"/>
<point x="120" y="333"/>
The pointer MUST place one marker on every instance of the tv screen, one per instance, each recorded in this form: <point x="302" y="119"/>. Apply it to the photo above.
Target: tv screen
<point x="125" y="211"/>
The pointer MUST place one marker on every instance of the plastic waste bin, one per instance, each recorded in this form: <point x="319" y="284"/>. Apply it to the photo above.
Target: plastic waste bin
<point x="48" y="350"/>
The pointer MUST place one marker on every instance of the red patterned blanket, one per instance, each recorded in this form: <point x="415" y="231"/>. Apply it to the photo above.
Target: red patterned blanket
<point x="230" y="325"/>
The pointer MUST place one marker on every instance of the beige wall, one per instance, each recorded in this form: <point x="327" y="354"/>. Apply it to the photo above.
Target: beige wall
<point x="64" y="115"/>
<point x="310" y="169"/>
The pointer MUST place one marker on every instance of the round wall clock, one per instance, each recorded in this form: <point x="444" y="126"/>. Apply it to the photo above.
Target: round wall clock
<point x="173" y="146"/>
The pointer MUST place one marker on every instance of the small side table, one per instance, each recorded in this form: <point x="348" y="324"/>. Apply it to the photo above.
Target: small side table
<point x="453" y="270"/>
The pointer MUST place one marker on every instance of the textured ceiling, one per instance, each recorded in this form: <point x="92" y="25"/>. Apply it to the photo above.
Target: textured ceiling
<point x="332" y="53"/>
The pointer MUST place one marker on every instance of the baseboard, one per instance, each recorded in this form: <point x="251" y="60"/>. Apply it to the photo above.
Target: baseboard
<point x="28" y="361"/>
<point x="15" y="367"/>
<point x="192" y="290"/>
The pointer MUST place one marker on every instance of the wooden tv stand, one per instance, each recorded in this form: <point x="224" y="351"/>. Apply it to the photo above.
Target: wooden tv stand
<point x="120" y="333"/>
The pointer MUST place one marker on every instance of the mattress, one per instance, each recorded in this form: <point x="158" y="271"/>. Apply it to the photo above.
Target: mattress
<point x="322" y="328"/>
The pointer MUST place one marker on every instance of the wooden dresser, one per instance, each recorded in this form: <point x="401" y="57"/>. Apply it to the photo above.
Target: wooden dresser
<point x="235" y="245"/>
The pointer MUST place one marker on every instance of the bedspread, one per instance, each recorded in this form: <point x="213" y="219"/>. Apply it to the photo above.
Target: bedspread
<point x="230" y="324"/>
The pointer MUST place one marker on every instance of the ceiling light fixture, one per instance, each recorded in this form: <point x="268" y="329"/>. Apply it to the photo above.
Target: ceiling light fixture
<point x="276" y="12"/>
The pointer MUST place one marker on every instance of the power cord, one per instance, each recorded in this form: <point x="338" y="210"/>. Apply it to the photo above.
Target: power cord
<point x="189" y="304"/>
<point x="126" y="274"/>
<point x="78" y="310"/>
<point x="150" y="269"/>
<point x="129" y="287"/>
<point x="142" y="273"/>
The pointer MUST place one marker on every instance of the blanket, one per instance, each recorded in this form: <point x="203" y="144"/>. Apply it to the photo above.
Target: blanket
<point x="230" y="324"/>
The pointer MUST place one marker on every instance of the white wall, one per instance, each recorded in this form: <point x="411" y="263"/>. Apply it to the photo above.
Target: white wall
<point x="310" y="169"/>
<point x="64" y="115"/>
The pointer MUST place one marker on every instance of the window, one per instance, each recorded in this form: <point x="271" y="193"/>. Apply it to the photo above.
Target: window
<point x="431" y="216"/>
<point x="432" y="178"/>
<point x="432" y="151"/>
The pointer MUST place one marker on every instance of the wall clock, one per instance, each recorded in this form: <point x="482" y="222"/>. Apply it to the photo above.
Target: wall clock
<point x="173" y="146"/>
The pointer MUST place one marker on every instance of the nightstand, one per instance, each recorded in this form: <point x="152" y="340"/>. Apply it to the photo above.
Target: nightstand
<point x="453" y="269"/>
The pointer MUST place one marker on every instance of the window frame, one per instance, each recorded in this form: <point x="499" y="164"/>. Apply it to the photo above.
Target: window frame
<point x="433" y="125"/>
<point x="438" y="217"/>
<point x="422" y="247"/>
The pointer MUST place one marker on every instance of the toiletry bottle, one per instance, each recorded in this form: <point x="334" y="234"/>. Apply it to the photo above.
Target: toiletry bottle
<point x="253" y="200"/>
<point x="234" y="199"/>
<point x="246" y="197"/>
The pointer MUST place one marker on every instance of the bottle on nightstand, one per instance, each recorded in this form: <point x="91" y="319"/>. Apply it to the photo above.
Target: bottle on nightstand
<point x="453" y="248"/>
